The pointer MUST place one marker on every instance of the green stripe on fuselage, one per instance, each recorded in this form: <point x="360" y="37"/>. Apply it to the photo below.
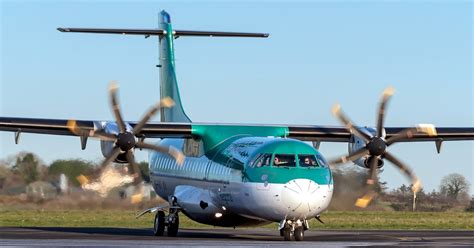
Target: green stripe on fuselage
<point x="215" y="137"/>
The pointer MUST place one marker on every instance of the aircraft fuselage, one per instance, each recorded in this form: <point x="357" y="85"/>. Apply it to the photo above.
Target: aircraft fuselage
<point x="233" y="187"/>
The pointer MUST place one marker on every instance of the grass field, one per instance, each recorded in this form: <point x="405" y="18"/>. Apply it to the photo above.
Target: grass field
<point x="334" y="220"/>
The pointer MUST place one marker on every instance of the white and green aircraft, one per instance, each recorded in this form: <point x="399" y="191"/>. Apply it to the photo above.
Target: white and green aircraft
<point x="233" y="174"/>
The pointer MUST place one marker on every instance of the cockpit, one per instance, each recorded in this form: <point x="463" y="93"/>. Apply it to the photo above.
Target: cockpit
<point x="288" y="160"/>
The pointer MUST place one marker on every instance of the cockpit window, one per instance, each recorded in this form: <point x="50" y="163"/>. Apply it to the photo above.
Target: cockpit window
<point x="307" y="160"/>
<point x="286" y="160"/>
<point x="262" y="160"/>
<point x="322" y="161"/>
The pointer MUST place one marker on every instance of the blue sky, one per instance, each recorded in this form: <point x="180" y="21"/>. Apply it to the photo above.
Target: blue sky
<point x="318" y="54"/>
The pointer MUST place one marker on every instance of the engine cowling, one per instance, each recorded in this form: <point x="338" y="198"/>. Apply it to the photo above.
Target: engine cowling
<point x="357" y="143"/>
<point x="107" y="146"/>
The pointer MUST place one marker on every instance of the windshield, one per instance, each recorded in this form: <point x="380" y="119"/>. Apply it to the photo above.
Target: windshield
<point x="307" y="160"/>
<point x="287" y="160"/>
<point x="262" y="160"/>
<point x="322" y="161"/>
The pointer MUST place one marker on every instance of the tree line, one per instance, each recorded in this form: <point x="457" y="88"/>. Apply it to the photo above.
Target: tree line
<point x="349" y="183"/>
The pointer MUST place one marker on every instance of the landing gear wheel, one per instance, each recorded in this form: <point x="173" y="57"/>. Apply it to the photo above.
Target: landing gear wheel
<point x="288" y="234"/>
<point x="173" y="226"/>
<point x="299" y="233"/>
<point x="159" y="224"/>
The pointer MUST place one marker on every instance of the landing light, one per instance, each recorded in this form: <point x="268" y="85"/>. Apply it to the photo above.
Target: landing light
<point x="218" y="215"/>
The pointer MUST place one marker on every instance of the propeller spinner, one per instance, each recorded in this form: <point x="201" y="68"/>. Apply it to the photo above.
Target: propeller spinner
<point x="376" y="147"/>
<point x="125" y="141"/>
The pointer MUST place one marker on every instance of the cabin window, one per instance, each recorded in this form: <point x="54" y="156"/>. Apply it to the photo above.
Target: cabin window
<point x="193" y="148"/>
<point x="263" y="160"/>
<point x="285" y="160"/>
<point x="322" y="161"/>
<point x="307" y="160"/>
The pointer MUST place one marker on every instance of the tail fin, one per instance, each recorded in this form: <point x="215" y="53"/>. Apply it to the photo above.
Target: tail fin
<point x="168" y="82"/>
<point x="166" y="34"/>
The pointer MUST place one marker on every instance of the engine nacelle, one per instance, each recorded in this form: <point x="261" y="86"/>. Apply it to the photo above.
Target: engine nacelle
<point x="107" y="146"/>
<point x="357" y="143"/>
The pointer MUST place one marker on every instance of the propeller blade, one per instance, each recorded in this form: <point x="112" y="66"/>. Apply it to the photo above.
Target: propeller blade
<point x="137" y="178"/>
<point x="111" y="157"/>
<point x="113" y="88"/>
<point x="81" y="131"/>
<point x="336" y="110"/>
<point x="372" y="181"/>
<point x="135" y="170"/>
<point x="408" y="133"/>
<point x="387" y="93"/>
<point x="104" y="136"/>
<point x="351" y="157"/>
<point x="76" y="129"/>
<point x="365" y="200"/>
<point x="176" y="154"/>
<point x="372" y="177"/>
<point x="166" y="102"/>
<point x="406" y="170"/>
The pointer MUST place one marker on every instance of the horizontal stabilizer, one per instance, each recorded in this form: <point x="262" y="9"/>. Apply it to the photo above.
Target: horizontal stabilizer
<point x="149" y="32"/>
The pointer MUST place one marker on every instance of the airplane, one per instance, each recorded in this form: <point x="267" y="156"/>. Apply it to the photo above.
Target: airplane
<point x="231" y="174"/>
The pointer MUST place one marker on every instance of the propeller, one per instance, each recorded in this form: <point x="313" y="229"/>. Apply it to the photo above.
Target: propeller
<point x="125" y="141"/>
<point x="376" y="147"/>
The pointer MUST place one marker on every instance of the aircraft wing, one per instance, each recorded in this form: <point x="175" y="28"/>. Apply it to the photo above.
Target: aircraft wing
<point x="188" y="130"/>
<point x="341" y="134"/>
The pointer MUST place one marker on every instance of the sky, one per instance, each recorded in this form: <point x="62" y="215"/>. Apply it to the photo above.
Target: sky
<point x="318" y="54"/>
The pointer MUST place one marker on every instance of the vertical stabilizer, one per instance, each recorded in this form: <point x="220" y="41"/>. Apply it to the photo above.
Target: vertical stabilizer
<point x="166" y="34"/>
<point x="168" y="82"/>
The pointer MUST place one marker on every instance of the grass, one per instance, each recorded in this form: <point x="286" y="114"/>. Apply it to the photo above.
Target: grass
<point x="354" y="220"/>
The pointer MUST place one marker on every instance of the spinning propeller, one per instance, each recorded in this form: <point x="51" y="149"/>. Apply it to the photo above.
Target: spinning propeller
<point x="376" y="147"/>
<point x="125" y="141"/>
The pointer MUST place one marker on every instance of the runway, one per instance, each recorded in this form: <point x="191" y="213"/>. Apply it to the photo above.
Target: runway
<point x="251" y="237"/>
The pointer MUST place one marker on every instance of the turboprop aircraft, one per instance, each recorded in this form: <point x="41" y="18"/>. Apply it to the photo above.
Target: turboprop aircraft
<point x="231" y="174"/>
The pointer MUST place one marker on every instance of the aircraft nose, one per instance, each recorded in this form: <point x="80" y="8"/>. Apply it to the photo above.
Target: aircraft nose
<point x="299" y="198"/>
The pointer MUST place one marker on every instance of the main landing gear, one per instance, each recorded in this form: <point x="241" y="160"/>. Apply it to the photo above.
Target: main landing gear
<point x="171" y="222"/>
<point x="293" y="230"/>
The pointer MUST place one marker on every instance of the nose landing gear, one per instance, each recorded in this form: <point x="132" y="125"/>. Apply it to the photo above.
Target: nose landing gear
<point x="171" y="222"/>
<point x="293" y="230"/>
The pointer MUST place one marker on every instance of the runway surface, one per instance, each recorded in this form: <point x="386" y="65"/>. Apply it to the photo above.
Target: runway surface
<point x="252" y="237"/>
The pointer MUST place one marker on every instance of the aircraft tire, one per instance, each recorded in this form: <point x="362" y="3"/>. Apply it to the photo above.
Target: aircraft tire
<point x="288" y="234"/>
<point x="159" y="224"/>
<point x="299" y="233"/>
<point x="173" y="227"/>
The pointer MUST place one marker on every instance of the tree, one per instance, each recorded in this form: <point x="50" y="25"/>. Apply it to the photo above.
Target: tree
<point x="28" y="166"/>
<point x="144" y="171"/>
<point x="72" y="168"/>
<point x="454" y="185"/>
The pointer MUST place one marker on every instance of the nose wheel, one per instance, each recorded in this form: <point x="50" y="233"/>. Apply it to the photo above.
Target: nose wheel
<point x="294" y="230"/>
<point x="170" y="222"/>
